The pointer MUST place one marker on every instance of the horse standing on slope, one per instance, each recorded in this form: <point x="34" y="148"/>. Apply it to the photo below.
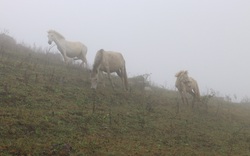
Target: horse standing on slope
<point x="185" y="85"/>
<point x="68" y="49"/>
<point x="109" y="62"/>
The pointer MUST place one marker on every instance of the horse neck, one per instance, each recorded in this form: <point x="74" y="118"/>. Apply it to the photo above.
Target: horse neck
<point x="180" y="80"/>
<point x="59" y="41"/>
<point x="185" y="79"/>
<point x="96" y="66"/>
<point x="98" y="61"/>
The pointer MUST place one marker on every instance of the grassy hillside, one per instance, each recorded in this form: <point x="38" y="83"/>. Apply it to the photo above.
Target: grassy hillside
<point x="48" y="108"/>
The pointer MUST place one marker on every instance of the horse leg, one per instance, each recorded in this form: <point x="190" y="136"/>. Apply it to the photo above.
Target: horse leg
<point x="186" y="99"/>
<point x="65" y="57"/>
<point x="121" y="75"/>
<point x="193" y="100"/>
<point x="66" y="61"/>
<point x="109" y="75"/>
<point x="102" y="77"/>
<point x="84" y="60"/>
<point x="183" y="98"/>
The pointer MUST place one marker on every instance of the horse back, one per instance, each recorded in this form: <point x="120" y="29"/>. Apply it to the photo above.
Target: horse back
<point x="78" y="46"/>
<point x="113" y="60"/>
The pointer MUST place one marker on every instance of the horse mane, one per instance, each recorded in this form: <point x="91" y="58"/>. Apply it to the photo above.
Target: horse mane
<point x="56" y="33"/>
<point x="98" y="59"/>
<point x="180" y="72"/>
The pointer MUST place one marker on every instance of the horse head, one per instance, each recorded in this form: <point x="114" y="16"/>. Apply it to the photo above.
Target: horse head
<point x="94" y="78"/>
<point x="54" y="35"/>
<point x="182" y="76"/>
<point x="50" y="38"/>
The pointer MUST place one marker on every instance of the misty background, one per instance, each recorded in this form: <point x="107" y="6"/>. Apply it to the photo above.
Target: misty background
<point x="209" y="38"/>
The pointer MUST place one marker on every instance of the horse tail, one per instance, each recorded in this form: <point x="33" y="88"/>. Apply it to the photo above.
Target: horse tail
<point x="98" y="59"/>
<point x="125" y="78"/>
<point x="197" y="90"/>
<point x="84" y="50"/>
<point x="83" y="54"/>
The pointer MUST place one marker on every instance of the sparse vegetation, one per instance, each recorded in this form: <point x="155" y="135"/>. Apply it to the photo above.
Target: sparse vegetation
<point x="48" y="108"/>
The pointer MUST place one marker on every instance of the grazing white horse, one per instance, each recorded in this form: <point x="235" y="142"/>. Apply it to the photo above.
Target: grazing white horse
<point x="68" y="49"/>
<point x="109" y="62"/>
<point x="186" y="84"/>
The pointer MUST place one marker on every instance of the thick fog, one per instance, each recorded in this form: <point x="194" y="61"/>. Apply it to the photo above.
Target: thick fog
<point x="209" y="38"/>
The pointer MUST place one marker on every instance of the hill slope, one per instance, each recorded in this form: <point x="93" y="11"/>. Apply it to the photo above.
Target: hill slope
<point x="48" y="108"/>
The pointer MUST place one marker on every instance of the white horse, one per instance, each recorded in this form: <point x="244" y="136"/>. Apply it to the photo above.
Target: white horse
<point x="109" y="62"/>
<point x="185" y="85"/>
<point x="68" y="49"/>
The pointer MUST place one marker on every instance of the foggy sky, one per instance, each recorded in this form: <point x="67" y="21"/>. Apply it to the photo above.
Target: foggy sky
<point x="209" y="38"/>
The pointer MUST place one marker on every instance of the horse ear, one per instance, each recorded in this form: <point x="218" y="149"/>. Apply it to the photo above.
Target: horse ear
<point x="179" y="73"/>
